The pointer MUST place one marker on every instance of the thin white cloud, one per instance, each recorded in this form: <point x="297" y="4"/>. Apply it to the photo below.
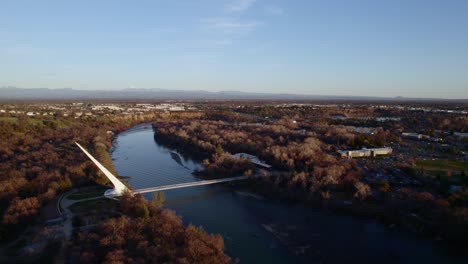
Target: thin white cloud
<point x="240" y="5"/>
<point x="226" y="30"/>
<point x="233" y="26"/>
<point x="274" y="10"/>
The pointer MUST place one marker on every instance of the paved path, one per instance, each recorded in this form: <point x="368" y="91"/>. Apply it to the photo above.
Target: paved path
<point x="67" y="215"/>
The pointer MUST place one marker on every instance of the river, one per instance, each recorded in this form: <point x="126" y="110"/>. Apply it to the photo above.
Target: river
<point x="257" y="230"/>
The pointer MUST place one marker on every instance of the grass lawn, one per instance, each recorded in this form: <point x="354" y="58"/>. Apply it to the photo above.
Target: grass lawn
<point x="89" y="205"/>
<point x="9" y="119"/>
<point x="80" y="196"/>
<point x="443" y="165"/>
<point x="35" y="121"/>
<point x="444" y="168"/>
<point x="88" y="193"/>
<point x="63" y="124"/>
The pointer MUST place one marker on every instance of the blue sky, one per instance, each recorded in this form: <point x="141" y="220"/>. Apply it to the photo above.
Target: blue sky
<point x="416" y="48"/>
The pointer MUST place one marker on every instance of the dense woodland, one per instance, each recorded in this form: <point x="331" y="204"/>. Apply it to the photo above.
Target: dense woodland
<point x="307" y="168"/>
<point x="148" y="234"/>
<point x="39" y="161"/>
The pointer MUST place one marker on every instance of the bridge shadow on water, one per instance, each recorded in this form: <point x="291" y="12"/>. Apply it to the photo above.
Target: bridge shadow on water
<point x="201" y="194"/>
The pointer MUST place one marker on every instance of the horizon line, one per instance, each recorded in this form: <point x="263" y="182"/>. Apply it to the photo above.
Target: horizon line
<point x="233" y="91"/>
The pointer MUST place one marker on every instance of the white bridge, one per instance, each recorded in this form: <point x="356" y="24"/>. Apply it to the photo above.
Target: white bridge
<point x="120" y="188"/>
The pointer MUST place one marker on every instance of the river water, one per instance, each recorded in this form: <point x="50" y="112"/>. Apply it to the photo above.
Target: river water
<point x="246" y="221"/>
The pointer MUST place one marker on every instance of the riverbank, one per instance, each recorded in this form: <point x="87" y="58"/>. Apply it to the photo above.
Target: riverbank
<point x="409" y="224"/>
<point x="388" y="210"/>
<point x="258" y="229"/>
<point x="217" y="210"/>
<point x="315" y="234"/>
<point x="306" y="172"/>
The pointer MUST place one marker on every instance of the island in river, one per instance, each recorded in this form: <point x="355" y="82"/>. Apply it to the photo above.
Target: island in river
<point x="258" y="230"/>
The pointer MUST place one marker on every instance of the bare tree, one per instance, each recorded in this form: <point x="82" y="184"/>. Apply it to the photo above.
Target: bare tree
<point x="362" y="190"/>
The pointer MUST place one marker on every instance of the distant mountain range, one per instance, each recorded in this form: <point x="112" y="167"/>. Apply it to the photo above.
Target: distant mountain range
<point x="14" y="93"/>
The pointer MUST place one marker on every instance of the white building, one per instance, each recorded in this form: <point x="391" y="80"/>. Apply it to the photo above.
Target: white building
<point x="412" y="135"/>
<point x="359" y="153"/>
<point x="176" y="108"/>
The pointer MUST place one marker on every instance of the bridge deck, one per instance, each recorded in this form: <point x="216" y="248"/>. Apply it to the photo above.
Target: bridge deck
<point x="120" y="188"/>
<point x="188" y="184"/>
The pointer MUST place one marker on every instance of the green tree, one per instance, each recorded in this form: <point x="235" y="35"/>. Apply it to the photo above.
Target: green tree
<point x="158" y="199"/>
<point x="219" y="150"/>
<point x="143" y="211"/>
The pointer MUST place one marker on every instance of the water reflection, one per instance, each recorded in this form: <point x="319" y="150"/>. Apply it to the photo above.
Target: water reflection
<point x="260" y="231"/>
<point x="176" y="157"/>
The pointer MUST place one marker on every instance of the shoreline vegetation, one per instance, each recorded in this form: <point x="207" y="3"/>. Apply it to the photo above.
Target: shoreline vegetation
<point x="305" y="172"/>
<point x="40" y="161"/>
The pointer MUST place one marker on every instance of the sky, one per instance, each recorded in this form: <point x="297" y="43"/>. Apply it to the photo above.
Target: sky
<point x="411" y="48"/>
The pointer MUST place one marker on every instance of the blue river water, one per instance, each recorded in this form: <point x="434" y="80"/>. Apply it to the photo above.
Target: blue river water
<point x="257" y="230"/>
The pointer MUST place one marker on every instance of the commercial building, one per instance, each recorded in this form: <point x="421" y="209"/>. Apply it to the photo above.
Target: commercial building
<point x="411" y="135"/>
<point x="365" y="152"/>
